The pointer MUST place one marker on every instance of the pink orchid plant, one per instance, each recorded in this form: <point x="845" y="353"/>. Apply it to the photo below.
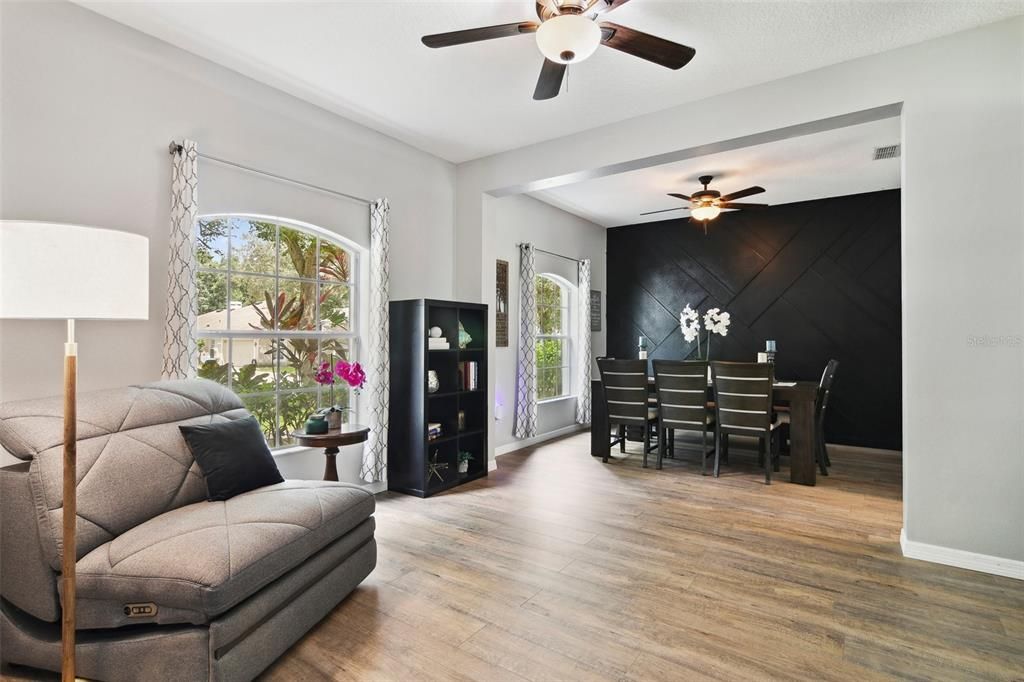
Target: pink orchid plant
<point x="352" y="373"/>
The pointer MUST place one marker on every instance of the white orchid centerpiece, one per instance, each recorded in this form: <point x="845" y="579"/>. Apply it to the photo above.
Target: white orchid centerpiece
<point x="716" y="321"/>
<point x="689" y="323"/>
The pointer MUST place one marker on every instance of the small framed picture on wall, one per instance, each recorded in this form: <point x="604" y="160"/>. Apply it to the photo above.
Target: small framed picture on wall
<point x="501" y="305"/>
<point x="595" y="310"/>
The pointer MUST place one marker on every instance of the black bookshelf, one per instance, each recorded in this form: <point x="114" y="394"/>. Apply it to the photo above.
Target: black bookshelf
<point x="413" y="407"/>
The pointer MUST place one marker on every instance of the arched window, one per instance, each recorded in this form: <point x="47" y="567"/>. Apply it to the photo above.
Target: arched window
<point x="275" y="300"/>
<point x="554" y="332"/>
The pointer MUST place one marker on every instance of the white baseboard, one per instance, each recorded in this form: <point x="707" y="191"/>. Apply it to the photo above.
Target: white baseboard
<point x="985" y="563"/>
<point x="527" y="442"/>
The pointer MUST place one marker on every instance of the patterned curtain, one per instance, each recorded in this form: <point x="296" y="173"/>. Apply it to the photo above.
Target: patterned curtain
<point x="526" y="366"/>
<point x="378" y="358"/>
<point x="583" y="359"/>
<point x="180" y="321"/>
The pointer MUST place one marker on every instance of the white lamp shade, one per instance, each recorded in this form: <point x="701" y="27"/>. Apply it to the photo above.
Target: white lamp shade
<point x="568" y="38"/>
<point x="55" y="271"/>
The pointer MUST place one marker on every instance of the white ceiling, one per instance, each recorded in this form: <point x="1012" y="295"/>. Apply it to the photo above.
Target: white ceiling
<point x="364" y="60"/>
<point x="828" y="164"/>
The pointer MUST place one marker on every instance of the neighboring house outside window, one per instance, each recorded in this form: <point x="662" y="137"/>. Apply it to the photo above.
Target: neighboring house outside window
<point x="275" y="300"/>
<point x="554" y="346"/>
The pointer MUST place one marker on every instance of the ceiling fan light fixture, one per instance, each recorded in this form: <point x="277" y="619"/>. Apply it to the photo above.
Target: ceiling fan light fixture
<point x="705" y="212"/>
<point x="568" y="38"/>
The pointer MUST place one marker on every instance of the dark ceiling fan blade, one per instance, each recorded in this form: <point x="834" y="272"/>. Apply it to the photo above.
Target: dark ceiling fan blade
<point x="550" y="80"/>
<point x="733" y="204"/>
<point x="666" y="210"/>
<point x="595" y="7"/>
<point x="742" y="193"/>
<point x="643" y="45"/>
<point x="679" y="196"/>
<point x="472" y="35"/>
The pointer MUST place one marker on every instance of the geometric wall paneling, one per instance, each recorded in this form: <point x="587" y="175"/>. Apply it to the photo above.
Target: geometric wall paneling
<point x="820" y="277"/>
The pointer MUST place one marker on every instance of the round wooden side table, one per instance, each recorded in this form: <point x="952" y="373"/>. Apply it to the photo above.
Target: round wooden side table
<point x="348" y="434"/>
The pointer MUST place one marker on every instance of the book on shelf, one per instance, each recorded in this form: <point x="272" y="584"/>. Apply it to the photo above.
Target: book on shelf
<point x="438" y="344"/>
<point x="434" y="430"/>
<point x="469" y="375"/>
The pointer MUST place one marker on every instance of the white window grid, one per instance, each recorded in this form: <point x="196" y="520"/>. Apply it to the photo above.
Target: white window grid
<point x="564" y="337"/>
<point x="229" y="335"/>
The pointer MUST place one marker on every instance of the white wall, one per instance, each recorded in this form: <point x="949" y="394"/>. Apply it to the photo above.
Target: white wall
<point x="963" y="136"/>
<point x="524" y="219"/>
<point x="89" y="107"/>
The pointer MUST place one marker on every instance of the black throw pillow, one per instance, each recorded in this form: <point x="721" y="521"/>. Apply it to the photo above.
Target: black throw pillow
<point x="233" y="455"/>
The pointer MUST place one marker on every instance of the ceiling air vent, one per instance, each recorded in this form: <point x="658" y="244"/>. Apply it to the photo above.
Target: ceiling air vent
<point x="890" y="152"/>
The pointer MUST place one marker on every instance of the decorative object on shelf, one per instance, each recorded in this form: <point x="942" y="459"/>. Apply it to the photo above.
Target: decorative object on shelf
<point x="37" y="262"/>
<point x="641" y="352"/>
<point x="433" y="383"/>
<point x="462" y="420"/>
<point x="716" y="321"/>
<point x="769" y="347"/>
<point x="464" y="337"/>
<point x="316" y="425"/>
<point x="501" y="305"/>
<point x="595" y="310"/>
<point x="469" y="375"/>
<point x="434" y="468"/>
<point x="437" y="343"/>
<point x="464" y="458"/>
<point x="435" y="332"/>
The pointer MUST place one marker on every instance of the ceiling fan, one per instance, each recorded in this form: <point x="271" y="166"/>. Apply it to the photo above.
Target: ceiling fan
<point x="706" y="204"/>
<point x="568" y="33"/>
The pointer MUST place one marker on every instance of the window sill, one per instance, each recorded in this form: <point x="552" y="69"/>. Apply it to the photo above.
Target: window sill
<point x="556" y="400"/>
<point x="288" y="450"/>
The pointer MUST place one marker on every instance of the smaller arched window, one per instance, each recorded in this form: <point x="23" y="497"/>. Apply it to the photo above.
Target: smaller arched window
<point x="554" y="338"/>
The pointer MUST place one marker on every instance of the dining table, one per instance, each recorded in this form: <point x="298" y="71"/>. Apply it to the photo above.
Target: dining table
<point x="798" y="395"/>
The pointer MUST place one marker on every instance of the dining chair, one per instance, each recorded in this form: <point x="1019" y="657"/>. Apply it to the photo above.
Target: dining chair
<point x="820" y="407"/>
<point x="743" y="407"/>
<point x="682" y="390"/>
<point x="624" y="383"/>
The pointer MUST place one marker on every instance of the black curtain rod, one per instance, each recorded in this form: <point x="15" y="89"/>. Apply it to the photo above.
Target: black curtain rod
<point x="556" y="255"/>
<point x="175" y="148"/>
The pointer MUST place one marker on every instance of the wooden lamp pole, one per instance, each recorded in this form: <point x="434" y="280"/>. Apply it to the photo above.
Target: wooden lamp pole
<point x="70" y="506"/>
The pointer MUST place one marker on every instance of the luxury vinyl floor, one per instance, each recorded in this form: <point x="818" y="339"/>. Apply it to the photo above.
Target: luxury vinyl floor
<point x="559" y="567"/>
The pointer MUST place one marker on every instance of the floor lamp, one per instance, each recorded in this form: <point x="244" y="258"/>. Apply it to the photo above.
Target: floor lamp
<point x="68" y="272"/>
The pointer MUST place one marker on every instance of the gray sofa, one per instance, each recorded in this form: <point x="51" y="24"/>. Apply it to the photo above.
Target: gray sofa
<point x="224" y="587"/>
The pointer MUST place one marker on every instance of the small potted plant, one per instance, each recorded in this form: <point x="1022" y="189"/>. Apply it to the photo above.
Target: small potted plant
<point x="327" y="374"/>
<point x="464" y="458"/>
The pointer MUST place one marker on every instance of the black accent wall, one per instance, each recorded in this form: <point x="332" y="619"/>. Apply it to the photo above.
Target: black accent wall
<point x="820" y="277"/>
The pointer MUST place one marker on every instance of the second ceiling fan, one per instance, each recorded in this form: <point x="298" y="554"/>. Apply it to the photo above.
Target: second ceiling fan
<point x="568" y="33"/>
<point x="707" y="204"/>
